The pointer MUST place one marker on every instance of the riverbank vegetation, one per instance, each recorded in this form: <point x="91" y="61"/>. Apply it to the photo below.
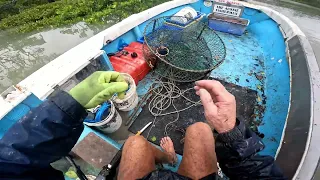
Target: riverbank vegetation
<point x="315" y="3"/>
<point x="28" y="15"/>
<point x="20" y="16"/>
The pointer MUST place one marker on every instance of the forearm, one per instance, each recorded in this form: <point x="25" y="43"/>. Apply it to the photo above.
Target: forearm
<point x="44" y="135"/>
<point x="237" y="155"/>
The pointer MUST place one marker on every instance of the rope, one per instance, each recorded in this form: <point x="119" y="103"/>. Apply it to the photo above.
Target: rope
<point x="164" y="94"/>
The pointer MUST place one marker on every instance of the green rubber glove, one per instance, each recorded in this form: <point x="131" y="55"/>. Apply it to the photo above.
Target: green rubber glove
<point x="98" y="88"/>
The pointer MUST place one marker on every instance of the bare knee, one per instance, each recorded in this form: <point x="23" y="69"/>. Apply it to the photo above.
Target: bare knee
<point x="136" y="142"/>
<point x="137" y="159"/>
<point x="199" y="128"/>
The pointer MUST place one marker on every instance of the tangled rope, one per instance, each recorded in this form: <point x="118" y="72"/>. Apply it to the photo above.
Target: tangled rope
<point x="164" y="94"/>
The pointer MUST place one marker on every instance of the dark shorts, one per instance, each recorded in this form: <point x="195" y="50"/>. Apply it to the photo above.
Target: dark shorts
<point x="169" y="175"/>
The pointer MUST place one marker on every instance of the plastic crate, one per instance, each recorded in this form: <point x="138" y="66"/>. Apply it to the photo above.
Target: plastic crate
<point x="197" y="18"/>
<point x="228" y="24"/>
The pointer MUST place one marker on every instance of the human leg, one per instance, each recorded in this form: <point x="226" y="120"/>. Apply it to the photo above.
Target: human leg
<point x="139" y="158"/>
<point x="199" y="157"/>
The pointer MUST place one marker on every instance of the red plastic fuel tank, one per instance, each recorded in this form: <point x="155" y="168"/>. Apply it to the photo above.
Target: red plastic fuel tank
<point x="131" y="60"/>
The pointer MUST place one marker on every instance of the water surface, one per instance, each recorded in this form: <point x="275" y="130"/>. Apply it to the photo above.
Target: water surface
<point x="21" y="55"/>
<point x="306" y="17"/>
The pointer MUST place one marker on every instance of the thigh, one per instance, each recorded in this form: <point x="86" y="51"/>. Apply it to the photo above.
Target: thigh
<point x="137" y="159"/>
<point x="199" y="157"/>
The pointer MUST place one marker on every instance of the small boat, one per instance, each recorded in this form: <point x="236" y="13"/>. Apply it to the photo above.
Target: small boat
<point x="271" y="59"/>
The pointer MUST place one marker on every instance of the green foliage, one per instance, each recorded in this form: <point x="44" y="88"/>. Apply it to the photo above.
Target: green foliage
<point x="25" y="4"/>
<point x="67" y="12"/>
<point x="7" y="9"/>
<point x="315" y="3"/>
<point x="12" y="7"/>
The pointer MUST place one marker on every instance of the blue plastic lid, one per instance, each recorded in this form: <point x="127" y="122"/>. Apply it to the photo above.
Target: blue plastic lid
<point x="99" y="114"/>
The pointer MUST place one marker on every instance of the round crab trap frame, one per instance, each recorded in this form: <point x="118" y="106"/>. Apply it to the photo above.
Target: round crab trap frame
<point x="181" y="49"/>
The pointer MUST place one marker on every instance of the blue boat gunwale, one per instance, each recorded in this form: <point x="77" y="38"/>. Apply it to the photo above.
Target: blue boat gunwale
<point x="290" y="31"/>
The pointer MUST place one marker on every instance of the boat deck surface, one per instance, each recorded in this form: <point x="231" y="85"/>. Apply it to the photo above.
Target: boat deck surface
<point x="255" y="62"/>
<point x="244" y="66"/>
<point x="243" y="74"/>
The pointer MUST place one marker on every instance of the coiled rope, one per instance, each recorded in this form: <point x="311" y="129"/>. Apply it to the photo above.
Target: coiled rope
<point x="164" y="94"/>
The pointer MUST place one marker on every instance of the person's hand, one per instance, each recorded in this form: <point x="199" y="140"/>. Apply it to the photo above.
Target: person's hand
<point x="219" y="105"/>
<point x="98" y="88"/>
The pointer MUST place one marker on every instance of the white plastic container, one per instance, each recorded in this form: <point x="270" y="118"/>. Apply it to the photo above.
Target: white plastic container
<point x="130" y="100"/>
<point x="187" y="12"/>
<point x="109" y="124"/>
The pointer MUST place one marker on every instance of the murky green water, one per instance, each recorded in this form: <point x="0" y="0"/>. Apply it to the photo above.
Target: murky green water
<point x="21" y="55"/>
<point x="306" y="17"/>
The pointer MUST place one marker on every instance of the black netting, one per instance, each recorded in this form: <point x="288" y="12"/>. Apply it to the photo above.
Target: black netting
<point x="182" y="52"/>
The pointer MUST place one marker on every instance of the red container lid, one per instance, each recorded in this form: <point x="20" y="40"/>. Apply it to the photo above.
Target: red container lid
<point x="132" y="63"/>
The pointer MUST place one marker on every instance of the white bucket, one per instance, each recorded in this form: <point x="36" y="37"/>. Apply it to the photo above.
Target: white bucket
<point x="130" y="100"/>
<point x="109" y="124"/>
<point x="187" y="12"/>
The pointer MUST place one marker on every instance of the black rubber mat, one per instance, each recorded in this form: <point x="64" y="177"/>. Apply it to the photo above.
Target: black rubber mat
<point x="246" y="101"/>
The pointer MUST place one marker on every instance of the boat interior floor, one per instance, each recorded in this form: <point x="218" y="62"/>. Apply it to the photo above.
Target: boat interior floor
<point x="243" y="72"/>
<point x="175" y="125"/>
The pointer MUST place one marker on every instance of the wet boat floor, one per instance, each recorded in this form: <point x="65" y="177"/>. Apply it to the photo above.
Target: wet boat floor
<point x="242" y="72"/>
<point x="246" y="102"/>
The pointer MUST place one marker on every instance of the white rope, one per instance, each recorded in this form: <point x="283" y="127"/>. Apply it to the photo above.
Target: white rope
<point x="164" y="94"/>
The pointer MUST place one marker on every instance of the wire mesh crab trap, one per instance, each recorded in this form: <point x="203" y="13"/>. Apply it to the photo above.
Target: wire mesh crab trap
<point x="181" y="49"/>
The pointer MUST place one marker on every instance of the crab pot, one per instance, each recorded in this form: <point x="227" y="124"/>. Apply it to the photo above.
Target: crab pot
<point x="185" y="54"/>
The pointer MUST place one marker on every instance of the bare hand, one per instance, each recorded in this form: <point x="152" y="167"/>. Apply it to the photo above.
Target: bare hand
<point x="219" y="105"/>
